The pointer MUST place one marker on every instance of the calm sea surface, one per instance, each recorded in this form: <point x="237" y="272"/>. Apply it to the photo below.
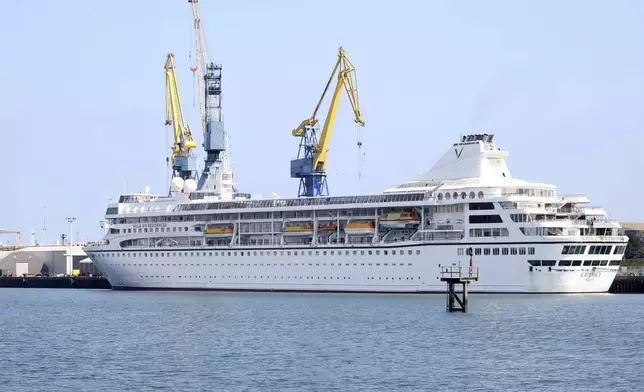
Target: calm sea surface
<point x="84" y="340"/>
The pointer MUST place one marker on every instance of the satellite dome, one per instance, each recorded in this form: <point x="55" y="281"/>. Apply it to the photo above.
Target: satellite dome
<point x="190" y="185"/>
<point x="177" y="184"/>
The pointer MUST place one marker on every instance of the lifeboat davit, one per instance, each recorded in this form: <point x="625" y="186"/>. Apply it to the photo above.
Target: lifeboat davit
<point x="327" y="227"/>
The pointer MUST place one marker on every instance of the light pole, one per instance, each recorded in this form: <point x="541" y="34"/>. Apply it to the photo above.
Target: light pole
<point x="70" y="258"/>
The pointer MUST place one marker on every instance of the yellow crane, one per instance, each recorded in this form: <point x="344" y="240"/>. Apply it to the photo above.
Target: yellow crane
<point x="184" y="163"/>
<point x="310" y="165"/>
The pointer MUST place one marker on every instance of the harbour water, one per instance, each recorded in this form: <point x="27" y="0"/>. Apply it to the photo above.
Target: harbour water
<point x="101" y="340"/>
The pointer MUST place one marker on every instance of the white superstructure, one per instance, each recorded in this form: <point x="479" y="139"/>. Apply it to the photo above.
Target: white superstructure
<point x="523" y="237"/>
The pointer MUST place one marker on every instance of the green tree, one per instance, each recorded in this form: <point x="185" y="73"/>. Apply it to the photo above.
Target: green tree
<point x="635" y="248"/>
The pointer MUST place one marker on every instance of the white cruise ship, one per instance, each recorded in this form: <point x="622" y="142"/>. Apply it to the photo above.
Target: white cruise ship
<point x="523" y="237"/>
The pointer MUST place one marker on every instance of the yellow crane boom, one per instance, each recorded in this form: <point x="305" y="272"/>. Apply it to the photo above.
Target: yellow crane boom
<point x="313" y="182"/>
<point x="183" y="162"/>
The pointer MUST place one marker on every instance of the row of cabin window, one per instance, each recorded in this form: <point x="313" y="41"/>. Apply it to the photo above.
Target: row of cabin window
<point x="532" y="192"/>
<point x="600" y="249"/>
<point x="449" y="208"/>
<point x="275" y="277"/>
<point x="496" y="232"/>
<point x="156" y="230"/>
<point x="619" y="250"/>
<point x="255" y="265"/>
<point x="497" y="251"/>
<point x="573" y="263"/>
<point x="481" y="219"/>
<point x="594" y="250"/>
<point x="274" y="253"/>
<point x="573" y="250"/>
<point x="545" y="231"/>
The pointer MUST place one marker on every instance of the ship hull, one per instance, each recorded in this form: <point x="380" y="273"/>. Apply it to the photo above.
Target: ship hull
<point x="412" y="269"/>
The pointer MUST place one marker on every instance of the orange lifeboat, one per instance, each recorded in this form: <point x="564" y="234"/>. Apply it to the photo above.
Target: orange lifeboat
<point x="400" y="220"/>
<point x="219" y="231"/>
<point x="357" y="228"/>
<point x="298" y="229"/>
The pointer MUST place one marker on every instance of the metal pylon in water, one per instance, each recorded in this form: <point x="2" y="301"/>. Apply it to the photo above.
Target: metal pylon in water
<point x="457" y="275"/>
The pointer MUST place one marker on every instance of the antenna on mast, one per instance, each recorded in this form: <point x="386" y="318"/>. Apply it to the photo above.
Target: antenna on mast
<point x="44" y="224"/>
<point x="359" y="145"/>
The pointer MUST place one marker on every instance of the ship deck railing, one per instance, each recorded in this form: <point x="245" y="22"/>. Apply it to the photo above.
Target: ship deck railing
<point x="603" y="238"/>
<point x="303" y="202"/>
<point x="98" y="243"/>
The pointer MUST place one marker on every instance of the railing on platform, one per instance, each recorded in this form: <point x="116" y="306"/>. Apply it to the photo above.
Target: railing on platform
<point x="460" y="273"/>
<point x="456" y="275"/>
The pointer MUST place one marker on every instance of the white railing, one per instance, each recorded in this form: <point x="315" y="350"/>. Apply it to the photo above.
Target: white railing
<point x="458" y="272"/>
<point x="606" y="238"/>
<point x="438" y="236"/>
<point x="98" y="243"/>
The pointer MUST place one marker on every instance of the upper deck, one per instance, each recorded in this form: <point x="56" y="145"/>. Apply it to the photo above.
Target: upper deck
<point x="472" y="170"/>
<point x="132" y="204"/>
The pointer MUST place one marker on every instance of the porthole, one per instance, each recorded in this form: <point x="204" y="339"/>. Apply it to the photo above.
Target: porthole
<point x="463" y="195"/>
<point x="472" y="195"/>
<point x="447" y="196"/>
<point x="480" y="194"/>
<point x="455" y="195"/>
<point x="440" y="196"/>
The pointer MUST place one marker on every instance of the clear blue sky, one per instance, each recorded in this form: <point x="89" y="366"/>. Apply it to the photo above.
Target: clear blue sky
<point x="561" y="84"/>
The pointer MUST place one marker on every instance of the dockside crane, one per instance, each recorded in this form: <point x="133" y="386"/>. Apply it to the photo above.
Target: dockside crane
<point x="310" y="165"/>
<point x="184" y="162"/>
<point x="216" y="177"/>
